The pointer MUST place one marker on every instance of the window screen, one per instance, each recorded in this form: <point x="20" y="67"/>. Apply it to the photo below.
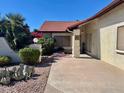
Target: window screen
<point x="120" y="38"/>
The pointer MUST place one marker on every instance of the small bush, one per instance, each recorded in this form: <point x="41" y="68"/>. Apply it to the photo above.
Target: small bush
<point x="47" y="45"/>
<point x="29" y="56"/>
<point x="5" y="60"/>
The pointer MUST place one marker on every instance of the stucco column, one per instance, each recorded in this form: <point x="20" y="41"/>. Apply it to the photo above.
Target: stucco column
<point x="76" y="43"/>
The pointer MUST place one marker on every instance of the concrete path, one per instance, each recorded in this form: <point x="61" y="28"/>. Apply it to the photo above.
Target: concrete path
<point x="86" y="75"/>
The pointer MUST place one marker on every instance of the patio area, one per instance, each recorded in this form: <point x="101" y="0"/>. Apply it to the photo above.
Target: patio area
<point x="84" y="75"/>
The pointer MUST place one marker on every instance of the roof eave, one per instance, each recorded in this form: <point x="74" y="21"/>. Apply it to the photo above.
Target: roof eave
<point x="99" y="14"/>
<point x="53" y="31"/>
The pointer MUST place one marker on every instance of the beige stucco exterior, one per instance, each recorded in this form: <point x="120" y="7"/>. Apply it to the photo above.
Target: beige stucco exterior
<point x="76" y="43"/>
<point x="104" y="36"/>
<point x="108" y="34"/>
<point x="92" y="29"/>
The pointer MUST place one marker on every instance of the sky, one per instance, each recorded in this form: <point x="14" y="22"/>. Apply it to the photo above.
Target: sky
<point x="38" y="11"/>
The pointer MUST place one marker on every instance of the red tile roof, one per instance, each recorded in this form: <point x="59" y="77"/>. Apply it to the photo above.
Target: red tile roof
<point x="56" y="26"/>
<point x="108" y="8"/>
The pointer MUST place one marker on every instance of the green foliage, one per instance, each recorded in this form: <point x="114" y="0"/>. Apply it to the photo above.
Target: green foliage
<point x="5" y="60"/>
<point x="29" y="56"/>
<point x="47" y="45"/>
<point x="15" y="30"/>
<point x="41" y="41"/>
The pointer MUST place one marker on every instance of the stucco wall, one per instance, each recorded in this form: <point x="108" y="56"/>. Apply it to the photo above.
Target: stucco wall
<point x="104" y="36"/>
<point x="108" y="36"/>
<point x="93" y="29"/>
<point x="76" y="43"/>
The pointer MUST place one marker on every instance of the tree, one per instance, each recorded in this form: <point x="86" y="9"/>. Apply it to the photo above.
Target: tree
<point x="16" y="30"/>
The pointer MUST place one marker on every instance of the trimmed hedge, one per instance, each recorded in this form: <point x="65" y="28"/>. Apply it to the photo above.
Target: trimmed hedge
<point x="29" y="56"/>
<point x="5" y="60"/>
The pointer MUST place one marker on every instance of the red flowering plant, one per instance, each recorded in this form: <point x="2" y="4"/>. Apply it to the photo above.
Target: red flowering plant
<point x="37" y="34"/>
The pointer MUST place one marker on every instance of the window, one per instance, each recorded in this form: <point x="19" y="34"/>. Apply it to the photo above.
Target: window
<point x="63" y="41"/>
<point x="120" y="38"/>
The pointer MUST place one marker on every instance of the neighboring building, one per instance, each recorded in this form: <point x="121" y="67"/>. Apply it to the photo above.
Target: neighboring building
<point x="58" y="30"/>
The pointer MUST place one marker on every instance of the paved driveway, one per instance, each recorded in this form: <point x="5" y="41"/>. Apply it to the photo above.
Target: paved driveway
<point x="86" y="75"/>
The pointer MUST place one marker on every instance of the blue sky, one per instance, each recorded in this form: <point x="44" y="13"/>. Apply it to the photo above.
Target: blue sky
<point x="37" y="11"/>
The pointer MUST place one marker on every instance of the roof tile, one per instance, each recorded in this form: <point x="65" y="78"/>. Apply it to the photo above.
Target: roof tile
<point x="56" y="26"/>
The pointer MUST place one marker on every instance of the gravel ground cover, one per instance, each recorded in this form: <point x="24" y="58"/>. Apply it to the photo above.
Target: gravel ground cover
<point x="35" y="85"/>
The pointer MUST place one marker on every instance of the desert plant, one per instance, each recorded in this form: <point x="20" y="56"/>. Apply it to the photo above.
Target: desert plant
<point x="29" y="56"/>
<point x="47" y="45"/>
<point x="5" y="60"/>
<point x="23" y="72"/>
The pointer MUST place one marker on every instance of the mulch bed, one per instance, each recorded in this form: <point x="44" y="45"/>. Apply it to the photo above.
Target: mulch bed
<point x="35" y="85"/>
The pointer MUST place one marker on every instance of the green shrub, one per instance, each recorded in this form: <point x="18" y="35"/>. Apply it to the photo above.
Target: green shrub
<point x="29" y="56"/>
<point x="47" y="45"/>
<point x="5" y="60"/>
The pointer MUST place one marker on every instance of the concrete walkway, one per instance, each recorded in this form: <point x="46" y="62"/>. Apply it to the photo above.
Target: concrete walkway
<point x="86" y="75"/>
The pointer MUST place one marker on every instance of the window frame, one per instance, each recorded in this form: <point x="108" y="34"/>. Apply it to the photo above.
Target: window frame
<point x="117" y="49"/>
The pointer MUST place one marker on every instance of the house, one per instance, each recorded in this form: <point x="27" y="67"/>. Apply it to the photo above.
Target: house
<point x="101" y="36"/>
<point x="58" y="30"/>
